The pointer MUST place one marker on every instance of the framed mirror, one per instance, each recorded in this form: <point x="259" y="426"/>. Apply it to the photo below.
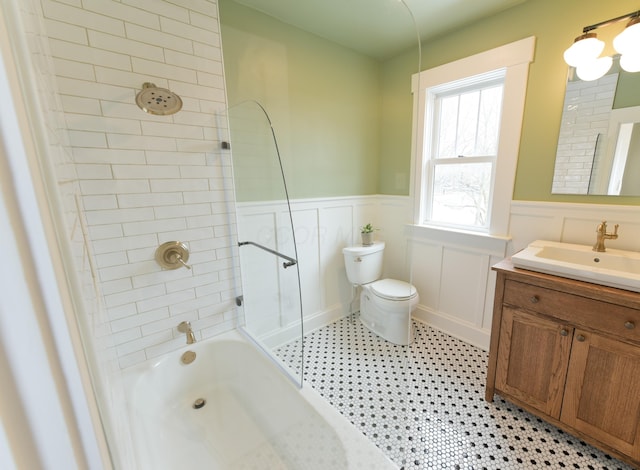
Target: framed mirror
<point x="599" y="143"/>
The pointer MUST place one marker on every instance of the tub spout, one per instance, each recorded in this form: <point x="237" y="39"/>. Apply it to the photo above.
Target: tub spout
<point x="185" y="327"/>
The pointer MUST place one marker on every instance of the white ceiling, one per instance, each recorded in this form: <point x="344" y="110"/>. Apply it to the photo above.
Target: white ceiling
<point x="378" y="28"/>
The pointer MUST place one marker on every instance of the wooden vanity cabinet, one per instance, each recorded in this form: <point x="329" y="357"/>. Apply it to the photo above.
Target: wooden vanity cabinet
<point x="569" y="352"/>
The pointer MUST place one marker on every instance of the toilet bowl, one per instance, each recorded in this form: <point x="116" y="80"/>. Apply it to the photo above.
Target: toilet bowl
<point x="385" y="304"/>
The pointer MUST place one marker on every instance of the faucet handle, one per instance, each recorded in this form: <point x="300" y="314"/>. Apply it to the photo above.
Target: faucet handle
<point x="615" y="229"/>
<point x="184" y="327"/>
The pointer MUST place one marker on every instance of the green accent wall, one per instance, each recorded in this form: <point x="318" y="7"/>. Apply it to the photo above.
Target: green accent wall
<point x="345" y="120"/>
<point x="323" y="101"/>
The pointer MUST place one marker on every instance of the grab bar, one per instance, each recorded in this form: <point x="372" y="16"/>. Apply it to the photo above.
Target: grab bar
<point x="291" y="261"/>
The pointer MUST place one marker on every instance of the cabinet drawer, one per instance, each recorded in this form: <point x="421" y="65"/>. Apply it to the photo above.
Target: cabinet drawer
<point x="580" y="311"/>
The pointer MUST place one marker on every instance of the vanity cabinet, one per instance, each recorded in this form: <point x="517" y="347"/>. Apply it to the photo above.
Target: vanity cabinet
<point x="569" y="352"/>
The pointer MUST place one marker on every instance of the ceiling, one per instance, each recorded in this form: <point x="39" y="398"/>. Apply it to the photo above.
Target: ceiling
<point x="378" y="28"/>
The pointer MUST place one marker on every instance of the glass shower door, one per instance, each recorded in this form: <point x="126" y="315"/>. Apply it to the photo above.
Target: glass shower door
<point x="271" y="299"/>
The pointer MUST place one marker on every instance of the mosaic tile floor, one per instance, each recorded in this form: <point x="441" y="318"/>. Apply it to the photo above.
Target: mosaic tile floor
<point x="424" y="406"/>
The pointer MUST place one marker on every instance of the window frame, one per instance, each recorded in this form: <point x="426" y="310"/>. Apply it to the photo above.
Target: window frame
<point x="514" y="59"/>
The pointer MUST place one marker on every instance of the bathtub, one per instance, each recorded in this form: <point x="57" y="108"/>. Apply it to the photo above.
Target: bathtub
<point x="232" y="408"/>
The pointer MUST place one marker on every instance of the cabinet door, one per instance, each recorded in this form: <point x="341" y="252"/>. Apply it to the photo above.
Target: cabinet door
<point x="533" y="354"/>
<point x="602" y="397"/>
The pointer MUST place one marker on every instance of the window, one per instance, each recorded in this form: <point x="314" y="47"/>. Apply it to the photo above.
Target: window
<point x="468" y="131"/>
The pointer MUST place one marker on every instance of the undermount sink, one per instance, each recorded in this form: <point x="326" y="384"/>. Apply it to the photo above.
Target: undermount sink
<point x="614" y="268"/>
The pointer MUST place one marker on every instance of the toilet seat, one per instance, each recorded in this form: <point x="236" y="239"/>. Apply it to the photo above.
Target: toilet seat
<point x="393" y="289"/>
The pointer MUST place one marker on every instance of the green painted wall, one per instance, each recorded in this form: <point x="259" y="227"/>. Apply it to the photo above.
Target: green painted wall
<point x="323" y="101"/>
<point x="345" y="120"/>
<point x="555" y="23"/>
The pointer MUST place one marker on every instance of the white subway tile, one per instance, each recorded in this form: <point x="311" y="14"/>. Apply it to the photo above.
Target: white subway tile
<point x="213" y="80"/>
<point x="122" y="12"/>
<point x="125" y="243"/>
<point x="135" y="80"/>
<point x="119" y="216"/>
<point x="204" y="7"/>
<point x="135" y="142"/>
<point x="218" y="329"/>
<point x="125" y="336"/>
<point x="134" y="295"/>
<point x="213" y="288"/>
<point x="190" y="282"/>
<point x="188" y="235"/>
<point x="177" y="28"/>
<point x="164" y="348"/>
<point x="144" y="342"/>
<point x="183" y="184"/>
<point x="73" y="69"/>
<point x="122" y="311"/>
<point x="138" y="319"/>
<point x="199" y="171"/>
<point x="128" y="270"/>
<point x="118" y="285"/>
<point x="199" y="92"/>
<point x="93" y="155"/>
<point x="170" y="323"/>
<point x="174" y="158"/>
<point x="99" y="202"/>
<point x="189" y="145"/>
<point x="169" y="300"/>
<point x="170" y="72"/>
<point x="87" y="139"/>
<point x="192" y="197"/>
<point x="102" y="232"/>
<point x="145" y="171"/>
<point x="141" y="254"/>
<point x="184" y="210"/>
<point x="194" y="303"/>
<point x="111" y="259"/>
<point x="193" y="62"/>
<point x="94" y="171"/>
<point x="125" y="46"/>
<point x="127" y="110"/>
<point x="85" y="122"/>
<point x="90" y="187"/>
<point x="171" y="130"/>
<point x="78" y="16"/>
<point x="204" y="21"/>
<point x="75" y="104"/>
<point x="86" y="89"/>
<point x="154" y="226"/>
<point x="65" y="31"/>
<point x="161" y="8"/>
<point x="157" y="38"/>
<point x="149" y="200"/>
<point x="160" y="277"/>
<point x="89" y="55"/>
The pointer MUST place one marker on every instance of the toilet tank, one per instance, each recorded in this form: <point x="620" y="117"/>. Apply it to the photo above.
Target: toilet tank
<point x="363" y="263"/>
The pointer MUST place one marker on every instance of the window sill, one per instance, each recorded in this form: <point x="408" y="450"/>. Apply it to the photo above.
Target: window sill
<point x="494" y="244"/>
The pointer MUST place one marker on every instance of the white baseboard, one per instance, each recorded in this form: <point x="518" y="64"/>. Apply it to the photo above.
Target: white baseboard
<point x="454" y="327"/>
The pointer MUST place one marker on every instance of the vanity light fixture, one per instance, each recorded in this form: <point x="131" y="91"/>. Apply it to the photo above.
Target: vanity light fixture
<point x="584" y="53"/>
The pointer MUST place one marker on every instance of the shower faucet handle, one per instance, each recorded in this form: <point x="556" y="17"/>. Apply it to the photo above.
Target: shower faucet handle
<point x="173" y="255"/>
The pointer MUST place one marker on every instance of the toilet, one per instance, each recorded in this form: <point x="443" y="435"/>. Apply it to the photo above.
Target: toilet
<point x="385" y="304"/>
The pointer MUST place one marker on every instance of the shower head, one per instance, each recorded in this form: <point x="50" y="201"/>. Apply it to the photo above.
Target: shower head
<point x="154" y="100"/>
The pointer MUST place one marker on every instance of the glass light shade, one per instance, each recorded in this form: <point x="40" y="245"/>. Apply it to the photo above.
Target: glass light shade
<point x="628" y="41"/>
<point x="630" y="62"/>
<point x="594" y="69"/>
<point x="585" y="49"/>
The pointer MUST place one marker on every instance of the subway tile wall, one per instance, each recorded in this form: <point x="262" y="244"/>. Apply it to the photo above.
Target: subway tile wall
<point x="585" y="116"/>
<point x="147" y="179"/>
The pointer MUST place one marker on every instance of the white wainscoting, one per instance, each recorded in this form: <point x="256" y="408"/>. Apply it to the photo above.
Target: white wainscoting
<point x="451" y="270"/>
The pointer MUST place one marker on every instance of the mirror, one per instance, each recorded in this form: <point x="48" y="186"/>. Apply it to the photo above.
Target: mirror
<point x="599" y="143"/>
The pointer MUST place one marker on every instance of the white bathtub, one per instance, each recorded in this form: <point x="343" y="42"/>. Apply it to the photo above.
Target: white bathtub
<point x="254" y="418"/>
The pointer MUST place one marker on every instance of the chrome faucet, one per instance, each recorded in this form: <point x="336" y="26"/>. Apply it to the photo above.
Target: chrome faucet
<point x="185" y="327"/>
<point x="603" y="235"/>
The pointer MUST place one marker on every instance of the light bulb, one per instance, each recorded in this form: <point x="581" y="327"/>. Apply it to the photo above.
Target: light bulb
<point x="594" y="69"/>
<point x="629" y="39"/>
<point x="630" y="62"/>
<point x="585" y="49"/>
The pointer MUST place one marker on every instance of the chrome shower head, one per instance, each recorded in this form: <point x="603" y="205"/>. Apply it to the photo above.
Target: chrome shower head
<point x="160" y="101"/>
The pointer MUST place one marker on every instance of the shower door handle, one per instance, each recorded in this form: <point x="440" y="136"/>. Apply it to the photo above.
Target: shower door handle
<point x="290" y="261"/>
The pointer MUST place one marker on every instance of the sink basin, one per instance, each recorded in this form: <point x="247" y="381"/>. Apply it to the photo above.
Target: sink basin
<point x="614" y="268"/>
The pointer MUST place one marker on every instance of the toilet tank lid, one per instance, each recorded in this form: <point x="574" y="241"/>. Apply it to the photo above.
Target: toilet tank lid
<point x="394" y="289"/>
<point x="360" y="250"/>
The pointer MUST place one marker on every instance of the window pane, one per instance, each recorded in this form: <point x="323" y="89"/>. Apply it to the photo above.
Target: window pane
<point x="489" y="121"/>
<point x="467" y="124"/>
<point x="461" y="193"/>
<point x="447" y="125"/>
